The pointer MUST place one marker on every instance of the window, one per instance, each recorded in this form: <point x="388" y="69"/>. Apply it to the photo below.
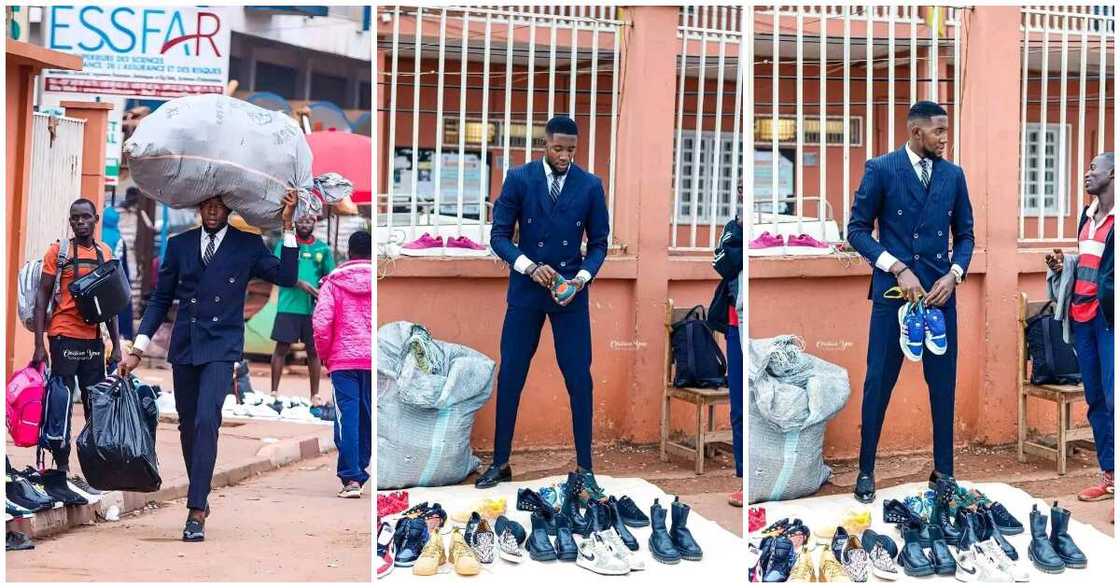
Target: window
<point x="276" y="78"/>
<point x="786" y="129"/>
<point x="329" y="88"/>
<point x="1044" y="185"/>
<point x="726" y="193"/>
<point x="365" y="96"/>
<point x="495" y="138"/>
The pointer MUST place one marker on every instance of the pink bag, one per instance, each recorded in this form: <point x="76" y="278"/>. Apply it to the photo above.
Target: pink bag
<point x="26" y="388"/>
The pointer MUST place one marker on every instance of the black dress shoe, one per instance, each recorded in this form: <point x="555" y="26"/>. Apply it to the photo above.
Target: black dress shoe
<point x="194" y="531"/>
<point x="631" y="514"/>
<point x="493" y="476"/>
<point x="538" y="545"/>
<point x="1008" y="524"/>
<point x="865" y="488"/>
<point x="912" y="557"/>
<point x="939" y="555"/>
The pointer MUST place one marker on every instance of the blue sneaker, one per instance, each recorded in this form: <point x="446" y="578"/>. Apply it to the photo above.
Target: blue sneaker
<point x="936" y="340"/>
<point x="912" y="330"/>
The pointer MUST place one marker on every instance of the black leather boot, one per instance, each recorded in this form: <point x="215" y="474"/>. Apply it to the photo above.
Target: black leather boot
<point x="682" y="537"/>
<point x="619" y="526"/>
<point x="913" y="558"/>
<point x="991" y="528"/>
<point x="1061" y="541"/>
<point x="1041" y="552"/>
<point x="942" y="559"/>
<point x="570" y="507"/>
<point x="598" y="516"/>
<point x="660" y="543"/>
<point x="940" y="518"/>
<point x="540" y="548"/>
<point x="967" y="525"/>
<point x="566" y="549"/>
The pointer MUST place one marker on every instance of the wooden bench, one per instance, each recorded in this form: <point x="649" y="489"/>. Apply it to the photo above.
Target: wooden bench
<point x="1063" y="396"/>
<point x="706" y="439"/>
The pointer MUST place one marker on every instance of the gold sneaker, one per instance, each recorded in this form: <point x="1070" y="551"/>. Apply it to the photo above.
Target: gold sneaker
<point x="803" y="570"/>
<point x="831" y="570"/>
<point x="431" y="558"/>
<point x="462" y="556"/>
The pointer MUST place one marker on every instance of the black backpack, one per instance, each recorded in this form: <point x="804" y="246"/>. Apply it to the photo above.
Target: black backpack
<point x="1053" y="361"/>
<point x="54" y="428"/>
<point x="698" y="359"/>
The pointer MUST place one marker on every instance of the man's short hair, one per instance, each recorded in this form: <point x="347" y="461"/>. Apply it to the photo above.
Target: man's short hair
<point x="1107" y="156"/>
<point x="562" y="125"/>
<point x="87" y="202"/>
<point x="925" y="110"/>
<point x="360" y="245"/>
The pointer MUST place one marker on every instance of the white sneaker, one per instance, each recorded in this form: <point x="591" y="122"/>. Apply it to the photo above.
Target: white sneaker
<point x="262" y="411"/>
<point x="298" y="413"/>
<point x="597" y="555"/>
<point x="229" y="404"/>
<point x="988" y="569"/>
<point x="1006" y="565"/>
<point x="630" y="557"/>
<point x="966" y="564"/>
<point x="882" y="566"/>
<point x="90" y="498"/>
<point x="508" y="549"/>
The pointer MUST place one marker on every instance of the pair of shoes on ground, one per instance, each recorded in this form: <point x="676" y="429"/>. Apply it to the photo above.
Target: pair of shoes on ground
<point x="604" y="552"/>
<point x="669" y="545"/>
<point x="1055" y="552"/>
<point x="986" y="562"/>
<point x="462" y="557"/>
<point x="921" y="328"/>
<point x="1105" y="489"/>
<point x="351" y="489"/>
<point x="27" y="493"/>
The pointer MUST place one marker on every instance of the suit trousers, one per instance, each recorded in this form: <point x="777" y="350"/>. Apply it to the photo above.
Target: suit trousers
<point x="735" y="390"/>
<point x="521" y="333"/>
<point x="884" y="361"/>
<point x="1094" y="345"/>
<point x="200" y="391"/>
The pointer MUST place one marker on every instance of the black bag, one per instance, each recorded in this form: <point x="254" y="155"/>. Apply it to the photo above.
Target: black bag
<point x="103" y="293"/>
<point x="699" y="361"/>
<point x="117" y="446"/>
<point x="54" y="428"/>
<point x="1053" y="361"/>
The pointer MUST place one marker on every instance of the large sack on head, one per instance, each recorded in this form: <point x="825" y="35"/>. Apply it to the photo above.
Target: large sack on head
<point x="196" y="147"/>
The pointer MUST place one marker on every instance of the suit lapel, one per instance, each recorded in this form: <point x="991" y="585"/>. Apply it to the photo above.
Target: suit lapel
<point x="564" y="200"/>
<point x="937" y="177"/>
<point x="541" y="181"/>
<point x="908" y="176"/>
<point x="223" y="247"/>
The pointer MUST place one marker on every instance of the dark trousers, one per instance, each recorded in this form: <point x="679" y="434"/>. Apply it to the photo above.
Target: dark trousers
<point x="353" y="423"/>
<point x="884" y="360"/>
<point x="199" y="393"/>
<point x="735" y="388"/>
<point x="81" y="364"/>
<point x="571" y="335"/>
<point x="1094" y="345"/>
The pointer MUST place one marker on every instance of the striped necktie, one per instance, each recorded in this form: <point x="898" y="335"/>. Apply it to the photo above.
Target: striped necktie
<point x="554" y="190"/>
<point x="925" y="172"/>
<point x="206" y="257"/>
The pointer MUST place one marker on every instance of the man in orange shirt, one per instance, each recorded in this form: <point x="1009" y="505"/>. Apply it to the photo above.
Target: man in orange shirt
<point x="76" y="351"/>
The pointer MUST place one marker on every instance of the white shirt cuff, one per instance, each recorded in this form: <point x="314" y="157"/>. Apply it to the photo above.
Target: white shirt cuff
<point x="521" y="264"/>
<point x="290" y="239"/>
<point x="958" y="271"/>
<point x="586" y="275"/>
<point x="885" y="261"/>
<point x="141" y="343"/>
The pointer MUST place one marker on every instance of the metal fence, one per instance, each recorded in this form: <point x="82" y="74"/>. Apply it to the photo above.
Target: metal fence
<point x="469" y="91"/>
<point x="1062" y="127"/>
<point x="817" y="72"/>
<point x="56" y="165"/>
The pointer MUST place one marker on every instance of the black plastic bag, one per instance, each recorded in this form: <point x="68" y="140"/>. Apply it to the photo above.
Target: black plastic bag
<point x="117" y="447"/>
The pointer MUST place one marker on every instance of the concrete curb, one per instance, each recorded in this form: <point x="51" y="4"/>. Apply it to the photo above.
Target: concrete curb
<point x="271" y="457"/>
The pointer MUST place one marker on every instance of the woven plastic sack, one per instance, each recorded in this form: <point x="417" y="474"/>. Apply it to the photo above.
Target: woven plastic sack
<point x="792" y="397"/>
<point x="428" y="393"/>
<point x="196" y="147"/>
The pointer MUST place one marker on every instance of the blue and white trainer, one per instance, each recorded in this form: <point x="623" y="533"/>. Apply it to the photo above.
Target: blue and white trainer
<point x="911" y="324"/>
<point x="936" y="340"/>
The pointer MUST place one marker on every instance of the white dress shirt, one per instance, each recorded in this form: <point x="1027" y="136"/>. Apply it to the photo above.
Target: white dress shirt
<point x="522" y="264"/>
<point x="142" y="341"/>
<point x="886" y="260"/>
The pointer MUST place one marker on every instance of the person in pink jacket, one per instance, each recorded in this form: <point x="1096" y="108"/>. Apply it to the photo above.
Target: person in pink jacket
<point x="343" y="328"/>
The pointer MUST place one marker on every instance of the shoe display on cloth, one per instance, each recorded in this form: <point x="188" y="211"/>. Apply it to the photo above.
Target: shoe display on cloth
<point x="830" y="568"/>
<point x="870" y="539"/>
<point x="682" y="537"/>
<point x="1041" y="552"/>
<point x="435" y="517"/>
<point x="856" y="562"/>
<point x="882" y="563"/>
<point x="598" y="517"/>
<point x="839" y="540"/>
<point x="944" y="485"/>
<point x="416" y="511"/>
<point x="426" y="245"/>
<point x="619" y="526"/>
<point x="633" y="516"/>
<point x="937" y="341"/>
<point x="570" y="507"/>
<point x="462" y="557"/>
<point x="778" y="527"/>
<point x="509" y="548"/>
<point x="806" y="245"/>
<point x="551" y="496"/>
<point x="939" y="555"/>
<point x="587" y="483"/>
<point x="736" y="499"/>
<point x="966" y="565"/>
<point x="529" y="501"/>
<point x="779" y="564"/>
<point x="16" y="541"/>
<point x="465" y="247"/>
<point x="854" y="521"/>
<point x="756" y="518"/>
<point x="912" y="557"/>
<point x="865" y="488"/>
<point x="431" y="557"/>
<point x="968" y="523"/>
<point x="384" y="550"/>
<point x="566" y="548"/>
<point x="899" y="514"/>
<point x="1063" y="544"/>
<point x="940" y="518"/>
<point x="1102" y="490"/>
<point x="634" y="560"/>
<point x="503" y="524"/>
<point x="596" y="555"/>
<point x="803" y="568"/>
<point x="484" y="543"/>
<point x="1005" y="564"/>
<point x="412" y="535"/>
<point x="1005" y="522"/>
<point x="912" y="330"/>
<point x="538" y="544"/>
<point x="488" y="508"/>
<point x="473" y="522"/>
<point x="766" y="244"/>
<point x="987" y="568"/>
<point x="991" y="532"/>
<point x="661" y="545"/>
<point x="798" y="535"/>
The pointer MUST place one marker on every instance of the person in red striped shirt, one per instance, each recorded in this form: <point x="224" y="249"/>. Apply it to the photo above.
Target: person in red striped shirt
<point x="1091" y="314"/>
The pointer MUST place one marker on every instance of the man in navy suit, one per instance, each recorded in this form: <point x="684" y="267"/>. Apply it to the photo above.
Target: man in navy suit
<point x="207" y="271"/>
<point x="917" y="199"/>
<point x="554" y="204"/>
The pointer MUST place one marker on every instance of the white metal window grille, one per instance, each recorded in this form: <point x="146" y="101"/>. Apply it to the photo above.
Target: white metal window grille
<point x="1065" y="83"/>
<point x="807" y="62"/>
<point x="497" y="73"/>
<point x="709" y="96"/>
